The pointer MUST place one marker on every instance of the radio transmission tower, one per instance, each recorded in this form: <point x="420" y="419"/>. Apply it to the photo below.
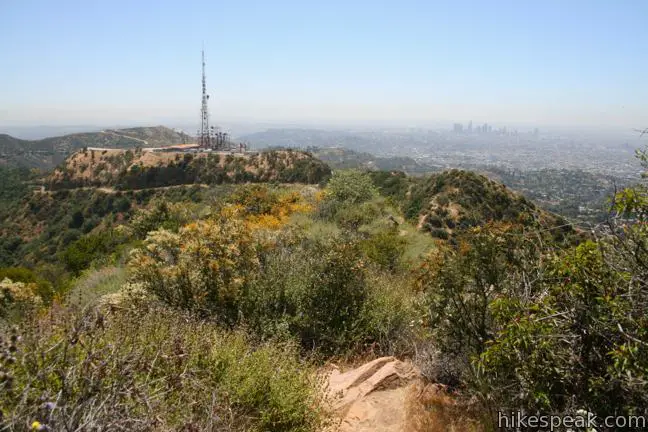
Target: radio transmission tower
<point x="205" y="134"/>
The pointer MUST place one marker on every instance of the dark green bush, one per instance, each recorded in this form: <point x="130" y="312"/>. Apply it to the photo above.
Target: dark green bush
<point x="385" y="248"/>
<point x="439" y="233"/>
<point x="315" y="290"/>
<point x="321" y="292"/>
<point x="598" y="359"/>
<point x="81" y="253"/>
<point x="434" y="221"/>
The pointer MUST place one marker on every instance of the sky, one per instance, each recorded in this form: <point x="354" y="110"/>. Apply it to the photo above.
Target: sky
<point x="415" y="63"/>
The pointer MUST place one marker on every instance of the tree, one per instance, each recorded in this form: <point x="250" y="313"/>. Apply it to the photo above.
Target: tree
<point x="580" y="341"/>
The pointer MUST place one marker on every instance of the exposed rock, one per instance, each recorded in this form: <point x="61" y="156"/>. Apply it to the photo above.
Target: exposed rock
<point x="373" y="397"/>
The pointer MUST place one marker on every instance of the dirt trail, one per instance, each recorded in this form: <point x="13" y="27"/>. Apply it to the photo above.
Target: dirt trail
<point x="373" y="397"/>
<point x="125" y="136"/>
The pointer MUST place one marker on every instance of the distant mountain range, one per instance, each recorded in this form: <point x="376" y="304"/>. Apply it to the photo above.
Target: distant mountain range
<point x="48" y="152"/>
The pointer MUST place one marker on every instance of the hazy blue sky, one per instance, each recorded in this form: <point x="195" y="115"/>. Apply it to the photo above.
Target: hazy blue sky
<point x="413" y="62"/>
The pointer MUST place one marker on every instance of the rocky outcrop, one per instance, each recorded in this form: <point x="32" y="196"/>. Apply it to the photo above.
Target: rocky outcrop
<point x="373" y="397"/>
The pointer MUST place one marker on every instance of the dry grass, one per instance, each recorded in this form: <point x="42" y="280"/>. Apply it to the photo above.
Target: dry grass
<point x="431" y="409"/>
<point x="96" y="283"/>
<point x="150" y="369"/>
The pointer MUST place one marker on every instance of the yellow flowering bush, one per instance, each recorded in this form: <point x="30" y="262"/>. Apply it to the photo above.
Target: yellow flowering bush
<point x="204" y="267"/>
<point x="17" y="296"/>
<point x="263" y="208"/>
<point x="279" y="212"/>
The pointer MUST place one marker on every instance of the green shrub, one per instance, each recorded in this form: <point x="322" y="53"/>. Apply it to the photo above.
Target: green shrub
<point x="443" y="200"/>
<point x="332" y="298"/>
<point x="157" y="216"/>
<point x="434" y="221"/>
<point x="353" y="216"/>
<point x="320" y="291"/>
<point x="460" y="284"/>
<point x="600" y="355"/>
<point x="351" y="186"/>
<point x="394" y="184"/>
<point x="392" y="316"/>
<point x="151" y="369"/>
<point x="439" y="233"/>
<point x="385" y="248"/>
<point x="314" y="290"/>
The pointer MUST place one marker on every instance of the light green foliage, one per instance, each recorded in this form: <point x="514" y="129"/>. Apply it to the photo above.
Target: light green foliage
<point x="353" y="216"/>
<point x="281" y="393"/>
<point x="351" y="186"/>
<point x="351" y="200"/>
<point x="152" y="369"/>
<point x="317" y="229"/>
<point x="393" y="313"/>
<point x="94" y="284"/>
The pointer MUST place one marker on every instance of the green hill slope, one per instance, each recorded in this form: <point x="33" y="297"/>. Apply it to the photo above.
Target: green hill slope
<point x="49" y="152"/>
<point x="456" y="200"/>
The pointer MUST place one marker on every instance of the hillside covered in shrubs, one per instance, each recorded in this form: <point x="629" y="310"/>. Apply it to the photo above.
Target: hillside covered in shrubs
<point x="47" y="153"/>
<point x="453" y="201"/>
<point x="214" y="306"/>
<point x="138" y="169"/>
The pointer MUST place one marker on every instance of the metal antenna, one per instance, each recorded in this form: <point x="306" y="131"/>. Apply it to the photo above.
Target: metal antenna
<point x="212" y="137"/>
<point x="205" y="136"/>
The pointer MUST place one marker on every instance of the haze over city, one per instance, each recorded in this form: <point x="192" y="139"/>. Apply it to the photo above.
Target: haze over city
<point x="409" y="63"/>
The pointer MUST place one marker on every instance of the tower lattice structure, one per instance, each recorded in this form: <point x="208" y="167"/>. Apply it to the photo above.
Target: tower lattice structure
<point x="208" y="136"/>
<point x="205" y="137"/>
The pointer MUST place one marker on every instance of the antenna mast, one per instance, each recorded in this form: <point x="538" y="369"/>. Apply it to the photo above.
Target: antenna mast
<point x="205" y="133"/>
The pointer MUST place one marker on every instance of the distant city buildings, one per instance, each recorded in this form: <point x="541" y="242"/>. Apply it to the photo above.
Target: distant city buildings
<point x="458" y="128"/>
